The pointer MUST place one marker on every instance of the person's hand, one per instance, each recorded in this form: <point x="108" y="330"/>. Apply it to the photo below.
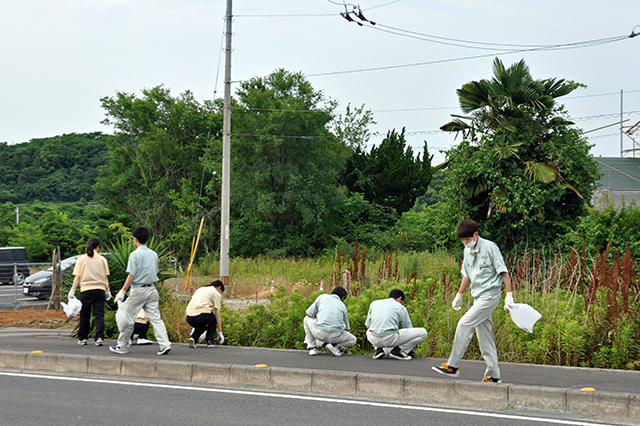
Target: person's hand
<point x="508" y="301"/>
<point x="220" y="337"/>
<point x="119" y="297"/>
<point x="457" y="302"/>
<point x="107" y="295"/>
<point x="72" y="295"/>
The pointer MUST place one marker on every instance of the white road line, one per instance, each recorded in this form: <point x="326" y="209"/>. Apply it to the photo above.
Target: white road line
<point x="311" y="398"/>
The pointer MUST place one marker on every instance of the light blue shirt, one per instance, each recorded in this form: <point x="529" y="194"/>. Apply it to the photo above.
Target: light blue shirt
<point x="483" y="266"/>
<point x="329" y="313"/>
<point x="143" y="265"/>
<point x="386" y="316"/>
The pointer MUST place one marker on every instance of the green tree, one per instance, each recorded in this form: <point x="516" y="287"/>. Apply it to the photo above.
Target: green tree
<point x="522" y="169"/>
<point x="390" y="175"/>
<point x="285" y="164"/>
<point x="155" y="164"/>
<point x="59" y="169"/>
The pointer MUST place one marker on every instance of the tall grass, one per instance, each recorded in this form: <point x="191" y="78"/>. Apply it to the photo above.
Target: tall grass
<point x="590" y="305"/>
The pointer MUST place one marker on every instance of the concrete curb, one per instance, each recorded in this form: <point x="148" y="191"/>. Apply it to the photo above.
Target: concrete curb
<point x="600" y="405"/>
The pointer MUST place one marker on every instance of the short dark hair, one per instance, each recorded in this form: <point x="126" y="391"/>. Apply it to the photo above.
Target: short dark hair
<point x="141" y="234"/>
<point x="217" y="283"/>
<point x="467" y="228"/>
<point x="340" y="292"/>
<point x="395" y="293"/>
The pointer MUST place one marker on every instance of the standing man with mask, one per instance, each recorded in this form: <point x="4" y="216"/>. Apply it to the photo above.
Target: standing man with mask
<point x="483" y="269"/>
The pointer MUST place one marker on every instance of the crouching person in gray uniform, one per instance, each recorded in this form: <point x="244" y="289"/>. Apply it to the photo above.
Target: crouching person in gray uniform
<point x="384" y="320"/>
<point x="327" y="321"/>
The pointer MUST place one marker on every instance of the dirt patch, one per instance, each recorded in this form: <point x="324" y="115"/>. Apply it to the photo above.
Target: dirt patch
<point x="36" y="319"/>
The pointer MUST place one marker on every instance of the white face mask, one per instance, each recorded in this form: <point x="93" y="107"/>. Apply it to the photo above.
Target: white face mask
<point x="471" y="244"/>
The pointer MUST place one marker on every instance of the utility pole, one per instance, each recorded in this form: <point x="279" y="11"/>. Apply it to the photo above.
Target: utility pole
<point x="621" y="130"/>
<point x="226" y="153"/>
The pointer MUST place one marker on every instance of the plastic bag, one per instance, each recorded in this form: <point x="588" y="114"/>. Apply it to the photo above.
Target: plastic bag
<point x="524" y="316"/>
<point x="73" y="308"/>
<point x="122" y="317"/>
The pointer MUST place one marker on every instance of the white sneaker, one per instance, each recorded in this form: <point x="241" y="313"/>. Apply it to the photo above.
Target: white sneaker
<point x="335" y="351"/>
<point x="192" y="343"/>
<point x="144" y="342"/>
<point x="313" y="351"/>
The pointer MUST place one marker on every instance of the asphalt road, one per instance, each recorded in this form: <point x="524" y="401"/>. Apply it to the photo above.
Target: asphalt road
<point x="36" y="399"/>
<point x="28" y="340"/>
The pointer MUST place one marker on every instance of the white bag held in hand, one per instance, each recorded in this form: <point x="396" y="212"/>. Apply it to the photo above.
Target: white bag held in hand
<point x="524" y="316"/>
<point x="122" y="318"/>
<point x="73" y="308"/>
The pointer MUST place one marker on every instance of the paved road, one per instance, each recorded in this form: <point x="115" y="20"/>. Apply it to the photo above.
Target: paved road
<point x="54" y="341"/>
<point x="357" y="377"/>
<point x="35" y="399"/>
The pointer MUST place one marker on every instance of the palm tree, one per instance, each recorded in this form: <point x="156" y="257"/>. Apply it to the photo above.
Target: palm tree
<point x="499" y="108"/>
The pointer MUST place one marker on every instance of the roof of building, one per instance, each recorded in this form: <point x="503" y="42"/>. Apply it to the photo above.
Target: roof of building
<point x="620" y="174"/>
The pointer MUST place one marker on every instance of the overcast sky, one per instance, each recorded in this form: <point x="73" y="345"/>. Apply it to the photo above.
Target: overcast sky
<point x="58" y="58"/>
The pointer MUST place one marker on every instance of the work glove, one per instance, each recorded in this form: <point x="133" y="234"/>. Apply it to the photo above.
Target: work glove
<point x="72" y="295"/>
<point x="457" y="302"/>
<point x="508" y="301"/>
<point x="119" y="297"/>
<point x="220" y="337"/>
<point x="107" y="295"/>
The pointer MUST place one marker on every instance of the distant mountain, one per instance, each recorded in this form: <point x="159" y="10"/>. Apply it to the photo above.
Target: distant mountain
<point x="57" y="169"/>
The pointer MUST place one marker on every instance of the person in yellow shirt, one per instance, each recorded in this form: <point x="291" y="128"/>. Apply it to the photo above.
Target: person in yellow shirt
<point x="203" y="314"/>
<point x="91" y="272"/>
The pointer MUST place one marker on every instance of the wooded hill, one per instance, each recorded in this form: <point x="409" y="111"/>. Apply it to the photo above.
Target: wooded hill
<point x="59" y="168"/>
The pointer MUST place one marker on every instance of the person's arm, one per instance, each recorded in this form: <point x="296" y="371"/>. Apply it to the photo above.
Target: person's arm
<point x="123" y="290"/>
<point x="127" y="283"/>
<point x="506" y="279"/>
<point x="218" y="320"/>
<point x="463" y="285"/>
<point x="457" y="301"/>
<point x="72" y="292"/>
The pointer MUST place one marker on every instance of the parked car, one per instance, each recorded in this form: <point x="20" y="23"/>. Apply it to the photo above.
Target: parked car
<point x="39" y="284"/>
<point x="10" y="257"/>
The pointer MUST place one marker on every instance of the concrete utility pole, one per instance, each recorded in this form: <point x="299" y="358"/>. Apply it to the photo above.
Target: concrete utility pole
<point x="226" y="153"/>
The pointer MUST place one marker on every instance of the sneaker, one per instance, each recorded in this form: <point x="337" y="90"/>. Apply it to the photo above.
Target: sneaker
<point x="119" y="350"/>
<point x="447" y="370"/>
<point x="144" y="342"/>
<point x="313" y="351"/>
<point x="335" y="351"/>
<point x="379" y="353"/>
<point x="164" y="351"/>
<point x="492" y="379"/>
<point x="82" y="342"/>
<point x="397" y="353"/>
<point x="412" y="353"/>
<point x="134" y="339"/>
<point x="99" y="341"/>
<point x="192" y="343"/>
<point x="210" y="344"/>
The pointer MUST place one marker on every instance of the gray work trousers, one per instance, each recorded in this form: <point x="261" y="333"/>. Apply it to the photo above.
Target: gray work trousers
<point x="147" y="298"/>
<point x="314" y="337"/>
<point x="478" y="319"/>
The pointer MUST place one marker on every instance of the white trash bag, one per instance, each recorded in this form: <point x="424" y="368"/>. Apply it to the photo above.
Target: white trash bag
<point x="524" y="316"/>
<point x="73" y="308"/>
<point x="122" y="318"/>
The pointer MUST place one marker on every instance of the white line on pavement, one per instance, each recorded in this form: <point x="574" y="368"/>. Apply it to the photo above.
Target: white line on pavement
<point x="310" y="398"/>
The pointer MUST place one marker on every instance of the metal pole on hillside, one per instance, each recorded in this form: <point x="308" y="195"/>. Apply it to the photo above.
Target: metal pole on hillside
<point x="226" y="153"/>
